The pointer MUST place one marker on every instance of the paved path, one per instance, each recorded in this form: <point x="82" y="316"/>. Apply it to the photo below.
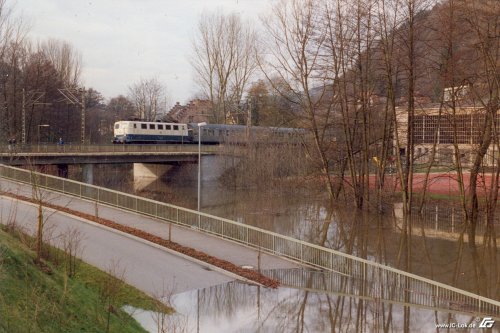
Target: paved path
<point x="147" y="267"/>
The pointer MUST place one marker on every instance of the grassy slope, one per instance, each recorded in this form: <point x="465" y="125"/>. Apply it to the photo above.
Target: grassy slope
<point x="35" y="301"/>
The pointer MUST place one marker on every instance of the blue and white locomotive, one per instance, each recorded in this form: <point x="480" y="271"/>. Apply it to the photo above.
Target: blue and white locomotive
<point x="150" y="132"/>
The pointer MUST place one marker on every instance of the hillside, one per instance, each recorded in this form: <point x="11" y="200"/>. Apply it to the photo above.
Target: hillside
<point x="447" y="50"/>
<point x="43" y="299"/>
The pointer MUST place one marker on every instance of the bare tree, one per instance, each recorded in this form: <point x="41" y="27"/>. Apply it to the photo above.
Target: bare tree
<point x="149" y="98"/>
<point x="71" y="243"/>
<point x="223" y="61"/>
<point x="110" y="288"/>
<point x="483" y="28"/>
<point x="119" y="108"/>
<point x="66" y="60"/>
<point x="295" y="43"/>
<point x="13" y="33"/>
<point x="40" y="196"/>
<point x="164" y="318"/>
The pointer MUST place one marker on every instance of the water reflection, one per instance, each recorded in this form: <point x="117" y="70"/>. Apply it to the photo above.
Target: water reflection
<point x="237" y="307"/>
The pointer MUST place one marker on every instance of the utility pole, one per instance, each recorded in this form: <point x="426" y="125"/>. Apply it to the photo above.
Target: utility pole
<point x="71" y="96"/>
<point x="33" y="98"/>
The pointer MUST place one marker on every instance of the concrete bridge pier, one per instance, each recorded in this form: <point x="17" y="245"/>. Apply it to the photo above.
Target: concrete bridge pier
<point x="62" y="170"/>
<point x="146" y="173"/>
<point x="150" y="170"/>
<point x="88" y="173"/>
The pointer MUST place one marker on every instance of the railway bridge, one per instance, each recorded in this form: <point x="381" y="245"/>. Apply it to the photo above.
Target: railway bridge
<point x="148" y="160"/>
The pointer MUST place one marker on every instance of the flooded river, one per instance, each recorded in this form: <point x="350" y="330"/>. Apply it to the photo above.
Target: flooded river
<point x="436" y="249"/>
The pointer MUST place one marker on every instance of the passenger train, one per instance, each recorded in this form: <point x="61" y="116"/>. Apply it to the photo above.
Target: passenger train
<point x="148" y="132"/>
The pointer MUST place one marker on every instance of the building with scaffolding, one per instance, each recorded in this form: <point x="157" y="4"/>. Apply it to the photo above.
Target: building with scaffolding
<point x="443" y="133"/>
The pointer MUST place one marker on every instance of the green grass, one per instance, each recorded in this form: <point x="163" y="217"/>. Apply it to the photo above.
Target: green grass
<point x="33" y="297"/>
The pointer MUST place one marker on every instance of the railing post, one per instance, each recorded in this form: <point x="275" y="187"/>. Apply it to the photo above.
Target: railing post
<point x="364" y="281"/>
<point x="274" y="244"/>
<point x="301" y="252"/>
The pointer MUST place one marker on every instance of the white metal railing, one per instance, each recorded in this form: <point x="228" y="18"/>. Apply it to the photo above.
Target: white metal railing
<point x="375" y="287"/>
<point x="413" y="286"/>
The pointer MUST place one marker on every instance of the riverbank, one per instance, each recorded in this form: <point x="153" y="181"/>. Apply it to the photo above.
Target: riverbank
<point x="41" y="297"/>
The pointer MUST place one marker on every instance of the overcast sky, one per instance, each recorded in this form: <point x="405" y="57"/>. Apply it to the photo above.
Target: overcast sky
<point x="122" y="41"/>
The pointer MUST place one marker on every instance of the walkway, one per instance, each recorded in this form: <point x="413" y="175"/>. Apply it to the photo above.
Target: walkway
<point x="211" y="245"/>
<point x="148" y="268"/>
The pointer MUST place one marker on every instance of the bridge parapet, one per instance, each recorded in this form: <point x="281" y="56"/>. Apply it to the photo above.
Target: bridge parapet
<point x="411" y="289"/>
<point x="20" y="149"/>
<point x="98" y="154"/>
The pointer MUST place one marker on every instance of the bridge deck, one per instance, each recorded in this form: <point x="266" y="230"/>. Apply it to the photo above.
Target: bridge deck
<point x="91" y="154"/>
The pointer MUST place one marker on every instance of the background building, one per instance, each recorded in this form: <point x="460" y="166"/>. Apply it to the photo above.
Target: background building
<point x="195" y="111"/>
<point x="446" y="126"/>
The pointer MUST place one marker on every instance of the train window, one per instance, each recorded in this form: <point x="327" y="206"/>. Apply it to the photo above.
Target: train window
<point x="176" y="127"/>
<point x="144" y="126"/>
<point x="135" y="125"/>
<point x="117" y="126"/>
<point x="151" y="126"/>
<point x="160" y="127"/>
<point x="168" y="127"/>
